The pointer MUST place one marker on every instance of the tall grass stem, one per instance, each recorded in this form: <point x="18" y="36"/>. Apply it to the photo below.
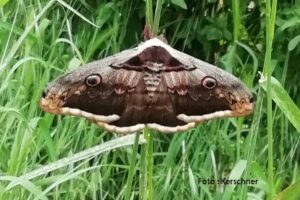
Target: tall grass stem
<point x="270" y="26"/>
<point x="132" y="167"/>
<point x="236" y="19"/>
<point x="143" y="171"/>
<point x="158" y="9"/>
<point x="149" y="12"/>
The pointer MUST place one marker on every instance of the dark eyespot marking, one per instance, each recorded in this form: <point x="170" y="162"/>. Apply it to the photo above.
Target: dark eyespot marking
<point x="209" y="82"/>
<point x="93" y="80"/>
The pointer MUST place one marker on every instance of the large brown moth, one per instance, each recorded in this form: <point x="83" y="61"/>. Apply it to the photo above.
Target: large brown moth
<point x="151" y="85"/>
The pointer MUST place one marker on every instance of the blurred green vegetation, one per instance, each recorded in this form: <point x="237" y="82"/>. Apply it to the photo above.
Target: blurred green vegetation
<point x="40" y="40"/>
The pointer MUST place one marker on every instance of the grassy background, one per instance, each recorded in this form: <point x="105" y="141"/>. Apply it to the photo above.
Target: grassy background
<point x="43" y="39"/>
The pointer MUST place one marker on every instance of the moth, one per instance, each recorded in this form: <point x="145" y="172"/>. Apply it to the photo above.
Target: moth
<point x="152" y="85"/>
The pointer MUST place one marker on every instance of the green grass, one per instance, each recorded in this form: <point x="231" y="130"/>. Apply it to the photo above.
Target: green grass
<point x="43" y="39"/>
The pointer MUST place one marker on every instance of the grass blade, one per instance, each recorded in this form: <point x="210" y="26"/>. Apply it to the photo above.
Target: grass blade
<point x="17" y="45"/>
<point x="132" y="167"/>
<point x="290" y="193"/>
<point x="283" y="101"/>
<point x="76" y="13"/>
<point x="235" y="174"/>
<point x="88" y="153"/>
